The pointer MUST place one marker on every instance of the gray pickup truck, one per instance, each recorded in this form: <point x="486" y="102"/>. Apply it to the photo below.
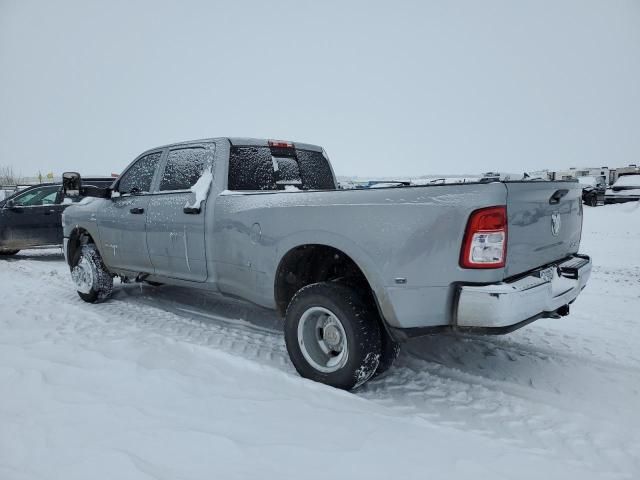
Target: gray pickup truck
<point x="353" y="272"/>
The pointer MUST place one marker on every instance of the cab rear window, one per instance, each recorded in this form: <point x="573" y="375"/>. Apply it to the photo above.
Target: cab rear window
<point x="272" y="168"/>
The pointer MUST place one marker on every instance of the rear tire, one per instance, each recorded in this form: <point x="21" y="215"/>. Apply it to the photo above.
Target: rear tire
<point x="332" y="335"/>
<point x="6" y="253"/>
<point x="93" y="281"/>
<point x="390" y="349"/>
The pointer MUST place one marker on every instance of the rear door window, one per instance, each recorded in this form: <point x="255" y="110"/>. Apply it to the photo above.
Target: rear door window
<point x="139" y="177"/>
<point x="183" y="169"/>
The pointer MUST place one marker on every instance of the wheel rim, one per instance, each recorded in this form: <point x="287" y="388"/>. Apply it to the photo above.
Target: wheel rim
<point x="82" y="275"/>
<point x="322" y="340"/>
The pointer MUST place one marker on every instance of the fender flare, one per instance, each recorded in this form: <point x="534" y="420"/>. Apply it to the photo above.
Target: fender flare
<point x="363" y="260"/>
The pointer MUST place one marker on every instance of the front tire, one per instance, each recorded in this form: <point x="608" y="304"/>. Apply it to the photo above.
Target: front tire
<point x="332" y="335"/>
<point x="93" y="281"/>
<point x="6" y="253"/>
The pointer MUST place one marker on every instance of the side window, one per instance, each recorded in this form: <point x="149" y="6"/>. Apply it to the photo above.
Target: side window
<point x="38" y="196"/>
<point x="50" y="197"/>
<point x="139" y="177"/>
<point x="184" y="168"/>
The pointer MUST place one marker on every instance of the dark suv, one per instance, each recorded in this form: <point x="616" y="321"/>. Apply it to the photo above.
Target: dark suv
<point x="32" y="217"/>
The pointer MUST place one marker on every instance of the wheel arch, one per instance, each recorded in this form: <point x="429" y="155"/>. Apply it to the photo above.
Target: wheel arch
<point x="311" y="262"/>
<point x="77" y="237"/>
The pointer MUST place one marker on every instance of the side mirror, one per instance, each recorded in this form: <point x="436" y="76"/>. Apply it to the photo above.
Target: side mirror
<point x="10" y="203"/>
<point x="71" y="184"/>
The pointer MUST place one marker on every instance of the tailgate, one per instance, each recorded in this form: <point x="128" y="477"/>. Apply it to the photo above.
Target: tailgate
<point x="542" y="229"/>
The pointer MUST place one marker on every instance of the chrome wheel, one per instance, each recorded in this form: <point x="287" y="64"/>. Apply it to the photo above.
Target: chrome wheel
<point x="322" y="340"/>
<point x="83" y="275"/>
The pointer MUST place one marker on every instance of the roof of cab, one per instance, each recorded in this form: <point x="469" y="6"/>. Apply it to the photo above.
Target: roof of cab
<point x="261" y="142"/>
<point x="236" y="141"/>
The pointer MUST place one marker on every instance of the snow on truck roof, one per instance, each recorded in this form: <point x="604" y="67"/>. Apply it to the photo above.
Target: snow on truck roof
<point x="236" y="142"/>
<point x="262" y="142"/>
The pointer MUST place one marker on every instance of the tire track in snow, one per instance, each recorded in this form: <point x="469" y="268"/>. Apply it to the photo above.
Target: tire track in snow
<point x="437" y="388"/>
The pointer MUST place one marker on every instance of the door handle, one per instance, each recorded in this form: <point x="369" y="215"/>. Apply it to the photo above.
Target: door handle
<point x="191" y="210"/>
<point x="49" y="212"/>
<point x="136" y="210"/>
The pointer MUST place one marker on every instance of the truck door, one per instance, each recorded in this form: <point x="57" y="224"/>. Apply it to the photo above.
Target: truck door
<point x="175" y="234"/>
<point x="34" y="219"/>
<point x="122" y="221"/>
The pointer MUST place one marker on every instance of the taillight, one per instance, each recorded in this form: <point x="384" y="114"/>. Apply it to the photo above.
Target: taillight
<point x="280" y="144"/>
<point x="485" y="240"/>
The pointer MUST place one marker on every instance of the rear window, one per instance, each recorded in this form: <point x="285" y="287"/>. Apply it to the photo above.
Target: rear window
<point x="270" y="168"/>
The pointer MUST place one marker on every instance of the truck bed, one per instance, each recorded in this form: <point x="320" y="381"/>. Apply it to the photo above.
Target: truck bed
<point x="397" y="234"/>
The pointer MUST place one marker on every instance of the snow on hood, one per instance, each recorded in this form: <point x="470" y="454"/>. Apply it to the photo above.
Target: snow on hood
<point x="85" y="201"/>
<point x="628" y="181"/>
<point x="201" y="190"/>
<point x="630" y="191"/>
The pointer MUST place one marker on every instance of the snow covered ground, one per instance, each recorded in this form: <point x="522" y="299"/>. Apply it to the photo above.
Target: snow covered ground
<point x="168" y="383"/>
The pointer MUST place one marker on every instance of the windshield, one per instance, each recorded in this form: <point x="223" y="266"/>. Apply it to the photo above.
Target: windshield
<point x="588" y="181"/>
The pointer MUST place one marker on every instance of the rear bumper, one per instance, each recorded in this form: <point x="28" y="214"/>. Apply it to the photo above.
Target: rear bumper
<point x="545" y="292"/>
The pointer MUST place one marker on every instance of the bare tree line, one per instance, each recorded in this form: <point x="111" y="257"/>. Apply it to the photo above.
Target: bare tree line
<point x="8" y="176"/>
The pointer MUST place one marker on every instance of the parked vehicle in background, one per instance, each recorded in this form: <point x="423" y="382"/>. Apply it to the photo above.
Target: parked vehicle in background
<point x="593" y="190"/>
<point x="353" y="272"/>
<point x="489" y="177"/>
<point x="32" y="217"/>
<point x="625" y="189"/>
<point x="388" y="183"/>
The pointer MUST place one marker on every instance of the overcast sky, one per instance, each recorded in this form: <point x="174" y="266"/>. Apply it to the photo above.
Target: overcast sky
<point x="388" y="88"/>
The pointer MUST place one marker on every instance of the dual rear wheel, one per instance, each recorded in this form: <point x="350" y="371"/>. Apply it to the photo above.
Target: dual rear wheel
<point x="334" y="336"/>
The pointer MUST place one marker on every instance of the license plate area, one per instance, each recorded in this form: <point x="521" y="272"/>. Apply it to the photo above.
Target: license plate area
<point x="547" y="274"/>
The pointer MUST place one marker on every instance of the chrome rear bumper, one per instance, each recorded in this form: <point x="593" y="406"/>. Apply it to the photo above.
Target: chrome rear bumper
<point x="542" y="293"/>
